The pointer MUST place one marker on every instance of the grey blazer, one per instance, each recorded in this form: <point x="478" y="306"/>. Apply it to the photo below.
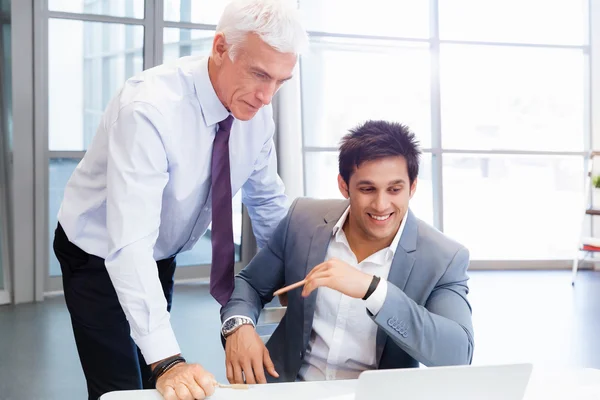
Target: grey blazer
<point x="426" y="317"/>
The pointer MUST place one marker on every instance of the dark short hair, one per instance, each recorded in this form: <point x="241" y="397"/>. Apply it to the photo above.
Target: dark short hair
<point x="373" y="140"/>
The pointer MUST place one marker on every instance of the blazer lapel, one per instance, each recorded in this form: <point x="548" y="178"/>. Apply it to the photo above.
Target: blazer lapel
<point x="316" y="255"/>
<point x="402" y="265"/>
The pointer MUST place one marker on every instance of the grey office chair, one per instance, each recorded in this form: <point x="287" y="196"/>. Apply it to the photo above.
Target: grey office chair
<point x="269" y="318"/>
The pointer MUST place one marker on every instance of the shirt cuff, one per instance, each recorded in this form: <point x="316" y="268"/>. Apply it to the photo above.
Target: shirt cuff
<point x="158" y="345"/>
<point x="233" y="316"/>
<point x="377" y="298"/>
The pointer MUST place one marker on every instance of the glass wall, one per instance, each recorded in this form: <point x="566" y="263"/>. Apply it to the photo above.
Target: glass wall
<point x="82" y="78"/>
<point x="496" y="93"/>
<point x="85" y="75"/>
<point x="501" y="110"/>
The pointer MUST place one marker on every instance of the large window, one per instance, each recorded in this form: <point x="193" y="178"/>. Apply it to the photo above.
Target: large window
<point x="496" y="92"/>
<point x="108" y="42"/>
<point x="205" y="12"/>
<point x="82" y="78"/>
<point x="180" y="42"/>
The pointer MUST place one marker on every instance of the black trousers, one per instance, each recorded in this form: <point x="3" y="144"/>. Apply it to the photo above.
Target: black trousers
<point x="109" y="357"/>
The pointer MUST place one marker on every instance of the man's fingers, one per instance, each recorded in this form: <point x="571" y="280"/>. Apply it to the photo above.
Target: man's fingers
<point x="186" y="382"/>
<point x="259" y="371"/>
<point x="248" y="373"/>
<point x="169" y="393"/>
<point x="206" y="381"/>
<point x="269" y="366"/>
<point x="237" y="373"/>
<point x="309" y="285"/>
<point x="229" y="367"/>
<point x="313" y="284"/>
<point x="322" y="274"/>
<point x="196" y="391"/>
<point x="183" y="393"/>
<point x="316" y="270"/>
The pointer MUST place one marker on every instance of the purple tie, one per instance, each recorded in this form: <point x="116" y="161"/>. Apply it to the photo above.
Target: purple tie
<point x="221" y="271"/>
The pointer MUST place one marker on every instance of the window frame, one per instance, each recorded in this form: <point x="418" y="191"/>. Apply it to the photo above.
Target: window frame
<point x="437" y="151"/>
<point x="153" y="25"/>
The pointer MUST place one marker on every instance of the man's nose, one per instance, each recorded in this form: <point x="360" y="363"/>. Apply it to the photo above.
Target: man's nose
<point x="265" y="95"/>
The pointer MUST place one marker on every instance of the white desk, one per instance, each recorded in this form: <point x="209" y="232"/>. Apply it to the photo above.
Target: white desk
<point x="545" y="384"/>
<point x="283" y="391"/>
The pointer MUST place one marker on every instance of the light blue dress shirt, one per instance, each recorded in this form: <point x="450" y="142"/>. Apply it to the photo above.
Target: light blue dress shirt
<point x="142" y="191"/>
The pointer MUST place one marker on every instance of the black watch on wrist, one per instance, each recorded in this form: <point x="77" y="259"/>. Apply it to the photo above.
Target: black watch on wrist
<point x="372" y="287"/>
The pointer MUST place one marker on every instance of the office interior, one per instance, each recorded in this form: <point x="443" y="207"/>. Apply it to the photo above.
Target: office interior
<point x="502" y="95"/>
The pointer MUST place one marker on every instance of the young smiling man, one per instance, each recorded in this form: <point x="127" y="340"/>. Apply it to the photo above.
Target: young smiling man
<point x="383" y="289"/>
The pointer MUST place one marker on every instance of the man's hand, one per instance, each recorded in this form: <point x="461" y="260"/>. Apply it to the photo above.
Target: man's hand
<point x="245" y="352"/>
<point x="339" y="276"/>
<point x="186" y="382"/>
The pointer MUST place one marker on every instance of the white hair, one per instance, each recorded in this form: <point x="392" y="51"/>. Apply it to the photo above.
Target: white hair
<point x="276" y="22"/>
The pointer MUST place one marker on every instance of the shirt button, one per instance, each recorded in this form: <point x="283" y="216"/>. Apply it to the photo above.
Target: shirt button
<point x="193" y="237"/>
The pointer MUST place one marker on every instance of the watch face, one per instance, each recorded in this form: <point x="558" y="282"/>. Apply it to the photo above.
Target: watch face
<point x="229" y="324"/>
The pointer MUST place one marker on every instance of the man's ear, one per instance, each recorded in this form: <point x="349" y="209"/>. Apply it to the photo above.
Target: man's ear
<point x="219" y="48"/>
<point x="343" y="186"/>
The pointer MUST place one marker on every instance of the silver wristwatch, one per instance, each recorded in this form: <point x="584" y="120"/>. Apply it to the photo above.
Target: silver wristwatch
<point x="233" y="324"/>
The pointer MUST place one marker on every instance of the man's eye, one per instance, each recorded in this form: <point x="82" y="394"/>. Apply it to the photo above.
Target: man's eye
<point x="366" y="190"/>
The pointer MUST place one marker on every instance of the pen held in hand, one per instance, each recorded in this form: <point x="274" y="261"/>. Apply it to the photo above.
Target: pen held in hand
<point x="290" y="287"/>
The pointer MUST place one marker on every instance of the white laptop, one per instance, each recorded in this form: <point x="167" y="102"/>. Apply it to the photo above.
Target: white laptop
<point x="498" y="382"/>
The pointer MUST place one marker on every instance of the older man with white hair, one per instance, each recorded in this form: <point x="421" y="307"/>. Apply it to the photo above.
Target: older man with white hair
<point x="155" y="176"/>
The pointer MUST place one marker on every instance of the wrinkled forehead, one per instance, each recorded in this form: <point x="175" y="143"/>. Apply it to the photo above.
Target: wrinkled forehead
<point x="254" y="52"/>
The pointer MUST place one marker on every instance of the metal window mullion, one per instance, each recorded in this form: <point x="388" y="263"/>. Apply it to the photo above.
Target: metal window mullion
<point x="514" y="152"/>
<point x="438" y="151"/>
<point x="313" y="149"/>
<point x="436" y="118"/>
<point x="42" y="154"/>
<point x="4" y="195"/>
<point x="112" y="54"/>
<point x="353" y="36"/>
<point x="110" y="19"/>
<point x="188" y="25"/>
<point x="434" y="36"/>
<point x="40" y="139"/>
<point x="514" y="44"/>
<point x="74" y="154"/>
<point x="149" y="16"/>
<point x="158" y="31"/>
